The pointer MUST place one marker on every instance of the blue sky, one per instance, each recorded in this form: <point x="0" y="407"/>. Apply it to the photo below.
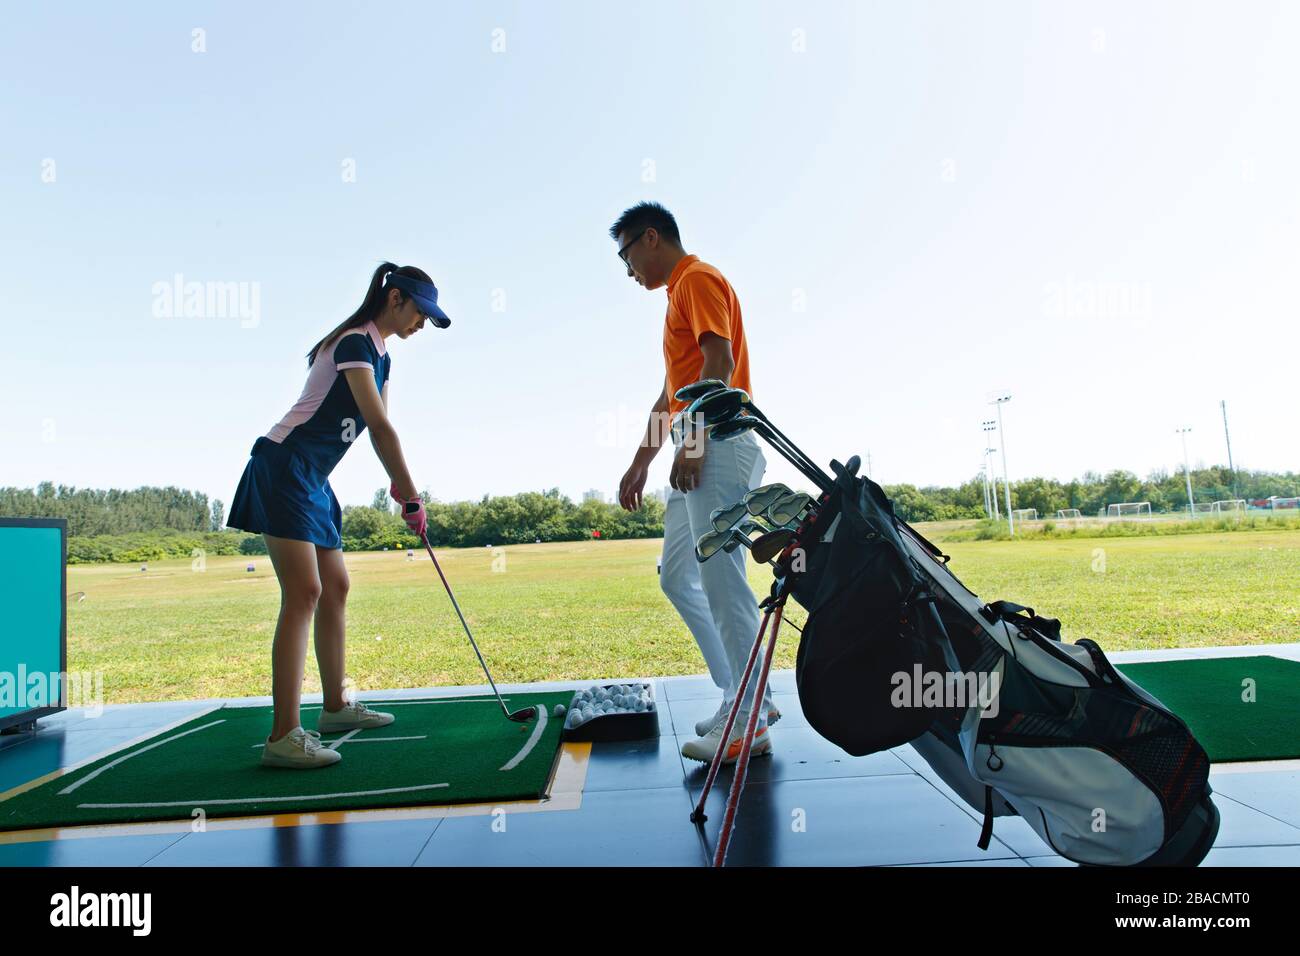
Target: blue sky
<point x="1092" y="206"/>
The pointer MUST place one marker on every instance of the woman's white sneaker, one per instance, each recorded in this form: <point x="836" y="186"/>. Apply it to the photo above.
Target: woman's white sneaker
<point x="354" y="716"/>
<point x="298" y="750"/>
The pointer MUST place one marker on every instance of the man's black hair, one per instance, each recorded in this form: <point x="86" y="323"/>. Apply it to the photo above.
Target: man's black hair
<point x="646" y="215"/>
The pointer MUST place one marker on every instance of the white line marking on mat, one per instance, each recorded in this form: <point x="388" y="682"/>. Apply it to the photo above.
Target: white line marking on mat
<point x="367" y="740"/>
<point x="335" y="744"/>
<point x="306" y="796"/>
<point x="125" y="757"/>
<point x="532" y="741"/>
<point x="419" y="700"/>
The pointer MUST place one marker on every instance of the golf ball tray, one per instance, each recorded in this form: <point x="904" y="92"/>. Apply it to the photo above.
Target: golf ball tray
<point x="612" y="712"/>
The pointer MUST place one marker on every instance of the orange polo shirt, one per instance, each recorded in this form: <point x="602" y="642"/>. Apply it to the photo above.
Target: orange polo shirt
<point x="700" y="300"/>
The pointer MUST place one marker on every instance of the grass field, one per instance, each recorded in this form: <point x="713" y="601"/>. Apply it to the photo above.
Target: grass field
<point x="594" y="609"/>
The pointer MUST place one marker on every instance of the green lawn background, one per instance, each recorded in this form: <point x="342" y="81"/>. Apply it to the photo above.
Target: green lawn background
<point x="593" y="609"/>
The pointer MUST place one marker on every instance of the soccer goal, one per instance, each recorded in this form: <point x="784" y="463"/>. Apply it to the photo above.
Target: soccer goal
<point x="1129" y="509"/>
<point x="1068" y="513"/>
<point x="1025" y="514"/>
<point x="1276" y="504"/>
<point x="1202" y="508"/>
<point x="1230" y="506"/>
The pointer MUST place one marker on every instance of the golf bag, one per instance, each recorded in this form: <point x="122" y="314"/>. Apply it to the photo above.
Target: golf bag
<point x="896" y="650"/>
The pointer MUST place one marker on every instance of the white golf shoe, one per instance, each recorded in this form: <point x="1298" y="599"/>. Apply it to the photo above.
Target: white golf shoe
<point x="719" y="718"/>
<point x="299" y="750"/>
<point x="704" y="747"/>
<point x="354" y="716"/>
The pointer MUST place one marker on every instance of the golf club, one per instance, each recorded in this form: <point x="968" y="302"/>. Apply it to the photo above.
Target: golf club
<point x="724" y="519"/>
<point x="711" y="542"/>
<point x="790" y="508"/>
<point x="725" y="431"/>
<point x="767" y="546"/>
<point x="689" y="393"/>
<point x="519" y="716"/>
<point x="741" y="424"/>
<point x="763" y="497"/>
<point x="724" y="404"/>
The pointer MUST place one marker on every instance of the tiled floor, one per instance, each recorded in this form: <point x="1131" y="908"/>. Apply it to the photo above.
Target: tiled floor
<point x="808" y="804"/>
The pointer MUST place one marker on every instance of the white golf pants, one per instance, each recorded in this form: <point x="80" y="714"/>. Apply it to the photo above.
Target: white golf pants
<point x="714" y="597"/>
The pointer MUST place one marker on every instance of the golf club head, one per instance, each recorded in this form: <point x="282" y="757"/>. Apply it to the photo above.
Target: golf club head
<point x="768" y="546"/>
<point x="711" y="542"/>
<point x="724" y="519"/>
<point x="764" y="496"/>
<point x="689" y="393"/>
<point x="718" y="406"/>
<point x="789" y="508"/>
<point x="733" y="428"/>
<point x="523" y="715"/>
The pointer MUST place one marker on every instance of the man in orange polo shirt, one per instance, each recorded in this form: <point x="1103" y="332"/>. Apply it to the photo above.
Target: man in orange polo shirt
<point x="704" y="337"/>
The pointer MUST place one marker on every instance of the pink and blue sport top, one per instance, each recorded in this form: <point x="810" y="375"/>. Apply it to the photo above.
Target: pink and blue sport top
<point x="325" y="420"/>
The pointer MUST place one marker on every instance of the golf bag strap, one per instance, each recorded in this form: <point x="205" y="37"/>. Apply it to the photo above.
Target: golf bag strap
<point x="986" y="832"/>
<point x="1006" y="608"/>
<point x="928" y="545"/>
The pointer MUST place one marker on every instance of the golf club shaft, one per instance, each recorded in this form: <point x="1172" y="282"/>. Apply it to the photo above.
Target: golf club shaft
<point x="754" y="409"/>
<point x="806" y="468"/>
<point x="474" y="644"/>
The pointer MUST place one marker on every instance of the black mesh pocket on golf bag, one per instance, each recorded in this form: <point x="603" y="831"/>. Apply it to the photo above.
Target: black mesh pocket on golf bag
<point x="848" y="658"/>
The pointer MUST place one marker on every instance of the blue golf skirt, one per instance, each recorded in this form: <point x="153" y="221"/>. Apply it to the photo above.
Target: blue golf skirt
<point x="284" y="495"/>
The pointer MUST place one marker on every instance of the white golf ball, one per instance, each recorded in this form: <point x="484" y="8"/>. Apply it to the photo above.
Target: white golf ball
<point x="560" y="710"/>
<point x="639" y="706"/>
<point x="575" y="719"/>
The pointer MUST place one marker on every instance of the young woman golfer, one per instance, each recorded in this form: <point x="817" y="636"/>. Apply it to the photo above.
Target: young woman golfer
<point x="285" y="496"/>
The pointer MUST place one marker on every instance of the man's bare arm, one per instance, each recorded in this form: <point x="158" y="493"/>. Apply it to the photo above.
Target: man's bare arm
<point x="718" y="362"/>
<point x="656" y="430"/>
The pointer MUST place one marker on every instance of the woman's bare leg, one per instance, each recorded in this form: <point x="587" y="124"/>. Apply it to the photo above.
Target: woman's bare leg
<point x="300" y="590"/>
<point x="331" y="624"/>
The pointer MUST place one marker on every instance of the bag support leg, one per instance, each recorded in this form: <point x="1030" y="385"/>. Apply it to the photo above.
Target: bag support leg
<point x="697" y="815"/>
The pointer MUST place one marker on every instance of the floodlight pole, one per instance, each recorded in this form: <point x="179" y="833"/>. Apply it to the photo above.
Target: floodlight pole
<point x="1223" y="404"/>
<point x="1006" y="478"/>
<point x="988" y="427"/>
<point x="1187" y="471"/>
<point x="984" y="477"/>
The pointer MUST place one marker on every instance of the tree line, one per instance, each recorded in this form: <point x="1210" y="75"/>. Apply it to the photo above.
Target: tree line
<point x="91" y="511"/>
<point x="113" y="524"/>
<point x="1166" y="491"/>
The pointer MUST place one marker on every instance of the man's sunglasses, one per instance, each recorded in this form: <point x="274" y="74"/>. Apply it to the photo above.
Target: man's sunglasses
<point x="622" y="253"/>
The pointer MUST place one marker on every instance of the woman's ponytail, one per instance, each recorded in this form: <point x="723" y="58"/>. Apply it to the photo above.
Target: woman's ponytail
<point x="369" y="309"/>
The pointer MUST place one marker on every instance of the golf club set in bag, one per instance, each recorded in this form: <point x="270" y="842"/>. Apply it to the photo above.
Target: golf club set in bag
<point x="897" y="650"/>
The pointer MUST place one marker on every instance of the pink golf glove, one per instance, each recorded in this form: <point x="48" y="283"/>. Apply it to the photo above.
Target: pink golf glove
<point x="413" y="512"/>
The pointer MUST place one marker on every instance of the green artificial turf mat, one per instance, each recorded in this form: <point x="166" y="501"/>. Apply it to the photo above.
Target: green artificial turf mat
<point x="1210" y="695"/>
<point x="437" y="751"/>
